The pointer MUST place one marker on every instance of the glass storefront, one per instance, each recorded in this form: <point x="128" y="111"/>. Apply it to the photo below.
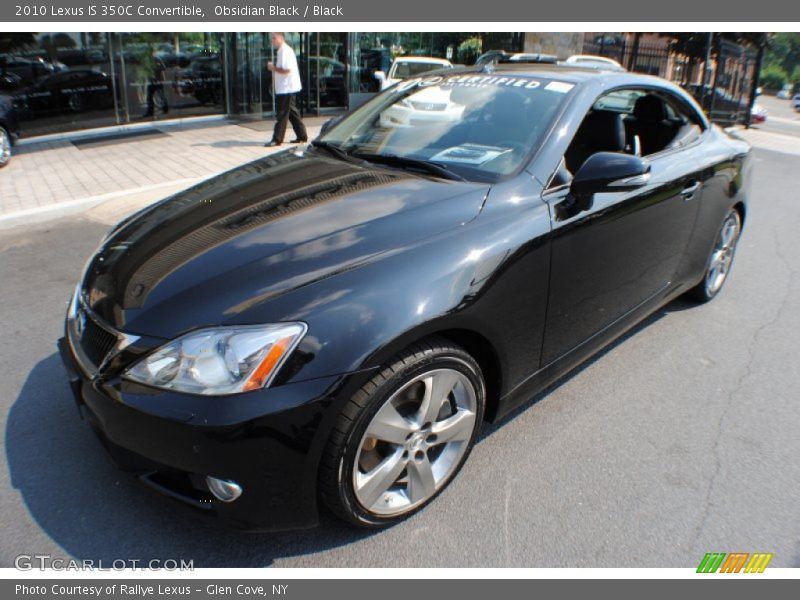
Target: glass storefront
<point x="69" y="81"/>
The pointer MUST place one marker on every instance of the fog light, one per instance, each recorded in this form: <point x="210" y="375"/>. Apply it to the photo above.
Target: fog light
<point x="223" y="489"/>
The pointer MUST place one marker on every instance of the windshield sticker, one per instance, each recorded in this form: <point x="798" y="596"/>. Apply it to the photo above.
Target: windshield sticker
<point x="478" y="81"/>
<point x="471" y="154"/>
<point x="559" y="86"/>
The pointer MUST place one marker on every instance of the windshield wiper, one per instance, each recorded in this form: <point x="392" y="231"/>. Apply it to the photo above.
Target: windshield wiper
<point x="333" y="149"/>
<point x="407" y="161"/>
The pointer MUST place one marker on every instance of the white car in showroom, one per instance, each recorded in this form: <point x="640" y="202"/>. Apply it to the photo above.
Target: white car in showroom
<point x="404" y="67"/>
<point x="424" y="107"/>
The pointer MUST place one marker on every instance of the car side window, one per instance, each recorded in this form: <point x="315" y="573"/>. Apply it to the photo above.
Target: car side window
<point x="632" y="121"/>
<point x="689" y="126"/>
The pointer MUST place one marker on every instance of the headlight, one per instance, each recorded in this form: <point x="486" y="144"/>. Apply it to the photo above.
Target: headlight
<point x="219" y="361"/>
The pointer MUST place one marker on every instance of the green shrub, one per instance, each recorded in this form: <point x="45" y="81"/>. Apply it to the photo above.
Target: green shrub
<point x="773" y="77"/>
<point x="469" y="50"/>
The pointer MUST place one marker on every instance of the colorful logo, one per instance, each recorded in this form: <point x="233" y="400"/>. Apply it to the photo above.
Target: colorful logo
<point x="735" y="562"/>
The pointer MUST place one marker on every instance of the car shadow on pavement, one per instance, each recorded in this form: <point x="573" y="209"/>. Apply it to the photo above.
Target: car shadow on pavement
<point x="94" y="512"/>
<point x="678" y="305"/>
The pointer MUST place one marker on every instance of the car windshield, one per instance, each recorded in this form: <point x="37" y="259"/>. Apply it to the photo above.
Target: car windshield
<point x="480" y="127"/>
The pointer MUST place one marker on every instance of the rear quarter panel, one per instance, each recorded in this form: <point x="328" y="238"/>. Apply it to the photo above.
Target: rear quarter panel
<point x="726" y="185"/>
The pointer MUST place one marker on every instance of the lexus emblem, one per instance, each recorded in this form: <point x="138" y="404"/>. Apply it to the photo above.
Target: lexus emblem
<point x="80" y="322"/>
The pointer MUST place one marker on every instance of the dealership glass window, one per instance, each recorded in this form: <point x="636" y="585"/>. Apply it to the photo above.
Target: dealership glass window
<point x="249" y="83"/>
<point x="324" y="71"/>
<point x="59" y="81"/>
<point x="68" y="81"/>
<point x="165" y="75"/>
<point x="71" y="81"/>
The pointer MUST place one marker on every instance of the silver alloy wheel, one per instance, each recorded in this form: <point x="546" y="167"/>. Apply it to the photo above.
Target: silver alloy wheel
<point x="722" y="255"/>
<point x="415" y="442"/>
<point x="5" y="147"/>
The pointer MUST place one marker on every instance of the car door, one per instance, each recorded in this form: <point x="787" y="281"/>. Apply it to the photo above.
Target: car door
<point x="40" y="97"/>
<point x="620" y="253"/>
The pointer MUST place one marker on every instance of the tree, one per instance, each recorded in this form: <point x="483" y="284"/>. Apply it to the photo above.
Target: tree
<point x="469" y="50"/>
<point x="773" y="77"/>
<point x="784" y="50"/>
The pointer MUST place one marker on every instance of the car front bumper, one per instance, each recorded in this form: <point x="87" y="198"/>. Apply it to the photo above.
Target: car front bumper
<point x="269" y="442"/>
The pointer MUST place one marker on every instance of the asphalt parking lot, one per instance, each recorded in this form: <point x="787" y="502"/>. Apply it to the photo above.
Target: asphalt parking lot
<point x="683" y="438"/>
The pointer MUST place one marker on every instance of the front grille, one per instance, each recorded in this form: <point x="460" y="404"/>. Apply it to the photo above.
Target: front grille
<point x="95" y="341"/>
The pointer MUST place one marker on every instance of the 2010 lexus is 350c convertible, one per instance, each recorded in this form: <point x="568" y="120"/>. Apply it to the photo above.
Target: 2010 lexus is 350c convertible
<point x="333" y="324"/>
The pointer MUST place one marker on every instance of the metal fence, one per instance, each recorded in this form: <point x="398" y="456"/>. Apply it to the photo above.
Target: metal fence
<point x="723" y="84"/>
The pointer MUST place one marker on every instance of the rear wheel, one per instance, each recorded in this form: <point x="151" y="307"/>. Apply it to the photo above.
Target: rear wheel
<point x="721" y="259"/>
<point x="404" y="435"/>
<point x="75" y="102"/>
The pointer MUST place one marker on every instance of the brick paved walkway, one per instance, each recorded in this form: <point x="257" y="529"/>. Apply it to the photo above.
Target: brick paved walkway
<point x="51" y="173"/>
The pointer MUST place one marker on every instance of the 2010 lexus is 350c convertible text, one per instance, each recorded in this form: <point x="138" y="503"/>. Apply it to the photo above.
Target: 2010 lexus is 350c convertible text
<point x="332" y="324"/>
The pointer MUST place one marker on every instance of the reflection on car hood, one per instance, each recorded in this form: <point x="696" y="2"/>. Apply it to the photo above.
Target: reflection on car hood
<point x="211" y="253"/>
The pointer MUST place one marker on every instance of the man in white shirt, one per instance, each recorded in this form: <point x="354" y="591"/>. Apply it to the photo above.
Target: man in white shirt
<point x="286" y="76"/>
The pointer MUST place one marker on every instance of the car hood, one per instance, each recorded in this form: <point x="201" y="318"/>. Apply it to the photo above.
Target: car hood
<point x="211" y="254"/>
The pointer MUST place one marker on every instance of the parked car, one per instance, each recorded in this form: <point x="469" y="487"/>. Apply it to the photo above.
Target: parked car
<point x="595" y="62"/>
<point x="404" y="67"/>
<point x="202" y="78"/>
<point x="785" y="92"/>
<point x="336" y="323"/>
<point x="501" y="57"/>
<point x="74" y="90"/>
<point x="428" y="106"/>
<point x="9" y="129"/>
<point x="796" y="102"/>
<point x="758" y="114"/>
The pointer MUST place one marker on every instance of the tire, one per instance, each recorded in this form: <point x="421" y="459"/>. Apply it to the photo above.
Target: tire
<point x="380" y="431"/>
<point x="5" y="147"/>
<point x="75" y="102"/>
<point x="721" y="259"/>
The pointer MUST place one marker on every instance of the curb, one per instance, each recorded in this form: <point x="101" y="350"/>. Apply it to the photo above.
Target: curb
<point x="42" y="214"/>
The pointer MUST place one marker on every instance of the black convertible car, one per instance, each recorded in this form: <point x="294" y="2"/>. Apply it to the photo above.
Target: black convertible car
<point x="334" y="323"/>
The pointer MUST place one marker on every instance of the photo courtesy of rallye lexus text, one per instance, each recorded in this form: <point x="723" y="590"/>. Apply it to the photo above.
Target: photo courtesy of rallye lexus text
<point x="332" y="324"/>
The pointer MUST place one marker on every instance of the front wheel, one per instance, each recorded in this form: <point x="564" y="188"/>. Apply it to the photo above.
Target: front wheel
<point x="5" y="147"/>
<point x="404" y="435"/>
<point x="721" y="259"/>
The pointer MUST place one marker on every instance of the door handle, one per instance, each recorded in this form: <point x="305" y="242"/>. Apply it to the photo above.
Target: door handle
<point x="689" y="191"/>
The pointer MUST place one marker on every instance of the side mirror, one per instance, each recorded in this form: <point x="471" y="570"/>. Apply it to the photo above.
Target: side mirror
<point x="328" y="125"/>
<point x="608" y="172"/>
<point x="380" y="76"/>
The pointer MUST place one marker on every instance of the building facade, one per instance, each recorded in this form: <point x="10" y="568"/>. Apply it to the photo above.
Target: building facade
<point x="71" y="81"/>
